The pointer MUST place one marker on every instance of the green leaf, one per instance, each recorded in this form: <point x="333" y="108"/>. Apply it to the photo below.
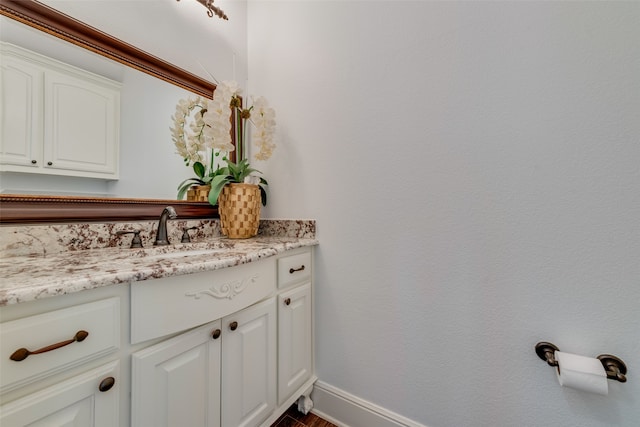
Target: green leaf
<point x="186" y="184"/>
<point x="234" y="169"/>
<point x="263" y="195"/>
<point x="199" y="169"/>
<point x="189" y="182"/>
<point x="182" y="191"/>
<point x="217" y="183"/>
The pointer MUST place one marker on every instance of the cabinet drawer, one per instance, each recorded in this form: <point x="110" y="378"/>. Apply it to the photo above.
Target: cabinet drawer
<point x="293" y="269"/>
<point x="100" y="319"/>
<point x="164" y="306"/>
<point x="83" y="400"/>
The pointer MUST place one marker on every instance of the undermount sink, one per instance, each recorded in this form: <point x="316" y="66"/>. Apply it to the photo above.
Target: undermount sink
<point x="180" y="250"/>
<point x="186" y="253"/>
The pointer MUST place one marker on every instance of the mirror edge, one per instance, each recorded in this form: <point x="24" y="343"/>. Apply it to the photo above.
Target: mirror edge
<point x="32" y="209"/>
<point x="49" y="20"/>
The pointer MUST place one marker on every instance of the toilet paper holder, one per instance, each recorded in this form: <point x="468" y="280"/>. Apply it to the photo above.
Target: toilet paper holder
<point x="613" y="366"/>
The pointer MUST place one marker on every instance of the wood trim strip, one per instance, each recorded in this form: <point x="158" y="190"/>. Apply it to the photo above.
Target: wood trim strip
<point x="27" y="209"/>
<point x="44" y="18"/>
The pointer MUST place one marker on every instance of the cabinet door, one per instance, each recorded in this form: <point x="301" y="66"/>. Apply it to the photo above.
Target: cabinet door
<point x="77" y="402"/>
<point x="81" y="125"/>
<point x="21" y="107"/>
<point x="294" y="340"/>
<point x="177" y="382"/>
<point x="249" y="365"/>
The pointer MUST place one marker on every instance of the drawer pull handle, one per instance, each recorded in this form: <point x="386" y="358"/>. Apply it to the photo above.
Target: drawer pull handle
<point x="106" y="384"/>
<point x="293" y="270"/>
<point x="287" y="301"/>
<point x="216" y="334"/>
<point x="233" y="326"/>
<point x="22" y="353"/>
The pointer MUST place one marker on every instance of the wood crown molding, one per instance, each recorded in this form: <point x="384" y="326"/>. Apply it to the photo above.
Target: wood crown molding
<point x="27" y="209"/>
<point x="49" y="20"/>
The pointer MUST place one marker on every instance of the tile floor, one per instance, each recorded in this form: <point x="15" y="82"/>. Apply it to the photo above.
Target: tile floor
<point x="293" y="418"/>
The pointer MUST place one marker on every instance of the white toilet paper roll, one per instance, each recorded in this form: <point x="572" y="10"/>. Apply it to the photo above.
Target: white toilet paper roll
<point x="581" y="373"/>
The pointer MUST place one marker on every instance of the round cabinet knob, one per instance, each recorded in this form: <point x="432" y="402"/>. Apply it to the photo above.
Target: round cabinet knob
<point x="33" y="162"/>
<point x="49" y="163"/>
<point x="216" y="334"/>
<point x="233" y="326"/>
<point x="106" y="384"/>
<point x="287" y="301"/>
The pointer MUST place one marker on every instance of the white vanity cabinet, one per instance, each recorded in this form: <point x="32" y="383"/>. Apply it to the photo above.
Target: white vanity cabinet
<point x="222" y="373"/>
<point x="57" y="119"/>
<point x="295" y="326"/>
<point x="222" y="348"/>
<point x="252" y="356"/>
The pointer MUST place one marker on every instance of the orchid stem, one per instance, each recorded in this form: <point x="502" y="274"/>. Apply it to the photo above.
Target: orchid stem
<point x="239" y="139"/>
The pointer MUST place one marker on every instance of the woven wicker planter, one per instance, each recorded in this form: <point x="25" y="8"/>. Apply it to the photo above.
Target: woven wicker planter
<point x="198" y="193"/>
<point x="239" y="209"/>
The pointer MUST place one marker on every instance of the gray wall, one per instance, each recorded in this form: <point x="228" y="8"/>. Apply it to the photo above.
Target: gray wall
<point x="474" y="170"/>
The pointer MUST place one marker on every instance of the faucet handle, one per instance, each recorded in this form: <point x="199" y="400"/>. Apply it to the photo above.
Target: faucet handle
<point x="136" y="242"/>
<point x="185" y="234"/>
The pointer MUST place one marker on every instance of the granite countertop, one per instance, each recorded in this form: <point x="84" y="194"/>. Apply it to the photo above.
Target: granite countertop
<point x="35" y="276"/>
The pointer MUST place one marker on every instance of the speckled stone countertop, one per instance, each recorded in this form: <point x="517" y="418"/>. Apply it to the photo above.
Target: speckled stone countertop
<point x="54" y="266"/>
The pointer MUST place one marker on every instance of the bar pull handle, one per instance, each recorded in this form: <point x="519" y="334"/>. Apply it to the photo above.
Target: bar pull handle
<point x="22" y="353"/>
<point x="293" y="270"/>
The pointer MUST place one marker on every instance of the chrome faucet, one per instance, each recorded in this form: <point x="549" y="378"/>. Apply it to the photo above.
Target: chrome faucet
<point x="161" y="235"/>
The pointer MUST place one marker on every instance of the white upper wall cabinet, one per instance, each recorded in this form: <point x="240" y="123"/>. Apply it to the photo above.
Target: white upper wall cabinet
<point x="21" y="105"/>
<point x="57" y="119"/>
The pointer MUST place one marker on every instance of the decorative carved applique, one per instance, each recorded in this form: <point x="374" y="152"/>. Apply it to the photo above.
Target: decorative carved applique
<point x="225" y="290"/>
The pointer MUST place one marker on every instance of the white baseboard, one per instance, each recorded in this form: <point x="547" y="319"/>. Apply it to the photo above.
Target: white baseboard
<point x="346" y="410"/>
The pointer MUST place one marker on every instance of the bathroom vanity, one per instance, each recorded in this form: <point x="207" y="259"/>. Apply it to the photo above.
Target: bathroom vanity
<point x="213" y="333"/>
